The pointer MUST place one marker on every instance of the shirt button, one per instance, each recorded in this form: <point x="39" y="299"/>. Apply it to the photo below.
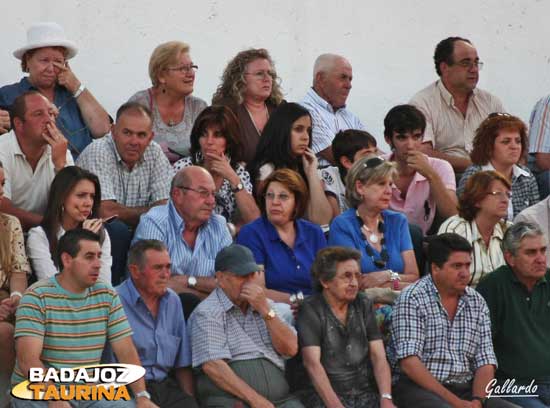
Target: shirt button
<point x="528" y="299"/>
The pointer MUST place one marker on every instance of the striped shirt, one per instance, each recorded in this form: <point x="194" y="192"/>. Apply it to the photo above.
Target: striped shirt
<point x="446" y="127"/>
<point x="539" y="127"/>
<point x="73" y="327"/>
<point x="146" y="183"/>
<point x="484" y="260"/>
<point x="451" y="350"/>
<point x="326" y="122"/>
<point x="164" y="223"/>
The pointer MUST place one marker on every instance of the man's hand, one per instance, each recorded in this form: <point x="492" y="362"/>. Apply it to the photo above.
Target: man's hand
<point x="4" y="121"/>
<point x="67" y="78"/>
<point x="254" y="294"/>
<point x="419" y="162"/>
<point x="58" y="143"/>
<point x="143" y="402"/>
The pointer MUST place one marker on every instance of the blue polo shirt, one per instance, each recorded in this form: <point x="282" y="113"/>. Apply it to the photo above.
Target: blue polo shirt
<point x="69" y="121"/>
<point x="286" y="269"/>
<point x="345" y="230"/>
<point x="162" y="343"/>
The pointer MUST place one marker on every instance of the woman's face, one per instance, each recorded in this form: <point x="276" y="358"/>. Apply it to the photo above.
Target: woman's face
<point x="259" y="80"/>
<point x="2" y="183"/>
<point x="179" y="77"/>
<point x="280" y="203"/>
<point x="212" y="142"/>
<point x="376" y="194"/>
<point x="78" y="204"/>
<point x="495" y="202"/>
<point x="345" y="285"/>
<point x="299" y="135"/>
<point x="507" y="148"/>
<point x="42" y="67"/>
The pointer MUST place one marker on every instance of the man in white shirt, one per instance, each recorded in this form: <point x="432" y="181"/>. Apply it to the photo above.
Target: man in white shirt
<point x="31" y="153"/>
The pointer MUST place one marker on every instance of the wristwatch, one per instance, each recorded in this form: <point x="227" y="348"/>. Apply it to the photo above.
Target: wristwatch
<point x="270" y="315"/>
<point x="237" y="188"/>
<point x="386" y="396"/>
<point x="192" y="282"/>
<point x="143" y="393"/>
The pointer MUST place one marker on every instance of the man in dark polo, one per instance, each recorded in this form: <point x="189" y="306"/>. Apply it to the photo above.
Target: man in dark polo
<point x="518" y="296"/>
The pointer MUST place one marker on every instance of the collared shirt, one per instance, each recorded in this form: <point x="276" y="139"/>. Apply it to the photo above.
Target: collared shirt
<point x="147" y="182"/>
<point x="162" y="341"/>
<point x="525" y="190"/>
<point x="419" y="205"/>
<point x="286" y="269"/>
<point x="539" y="127"/>
<point x="27" y="189"/>
<point x="451" y="350"/>
<point x="520" y="325"/>
<point x="69" y="121"/>
<point x="345" y="230"/>
<point x="539" y="214"/>
<point x="446" y="127"/>
<point x="484" y="260"/>
<point x="326" y="122"/>
<point x="164" y="223"/>
<point x="221" y="331"/>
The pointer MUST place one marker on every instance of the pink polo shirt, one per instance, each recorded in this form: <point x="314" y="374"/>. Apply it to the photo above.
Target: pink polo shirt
<point x="419" y="205"/>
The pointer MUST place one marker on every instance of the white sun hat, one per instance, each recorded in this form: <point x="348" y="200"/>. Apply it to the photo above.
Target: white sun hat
<point x="46" y="35"/>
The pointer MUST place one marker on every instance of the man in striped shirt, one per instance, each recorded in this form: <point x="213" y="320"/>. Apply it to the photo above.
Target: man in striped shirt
<point x="64" y="321"/>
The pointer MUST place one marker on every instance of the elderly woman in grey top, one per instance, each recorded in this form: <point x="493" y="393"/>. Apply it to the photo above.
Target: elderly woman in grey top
<point x="174" y="109"/>
<point x="339" y="337"/>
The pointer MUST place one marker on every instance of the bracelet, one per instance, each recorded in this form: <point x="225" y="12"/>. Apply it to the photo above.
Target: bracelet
<point x="386" y="396"/>
<point x="16" y="293"/>
<point x="79" y="91"/>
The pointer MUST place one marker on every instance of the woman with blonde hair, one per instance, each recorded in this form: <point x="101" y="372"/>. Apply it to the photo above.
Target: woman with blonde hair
<point x="250" y="87"/>
<point x="174" y="109"/>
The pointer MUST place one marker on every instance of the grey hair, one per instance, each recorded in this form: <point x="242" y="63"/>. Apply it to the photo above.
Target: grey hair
<point x="515" y="234"/>
<point x="366" y="175"/>
<point x="325" y="265"/>
<point x="180" y="179"/>
<point x="324" y="63"/>
<point x="136" y="254"/>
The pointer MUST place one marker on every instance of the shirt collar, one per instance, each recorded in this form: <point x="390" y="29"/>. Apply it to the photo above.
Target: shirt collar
<point x="516" y="170"/>
<point x="273" y="235"/>
<point x="512" y="276"/>
<point x="225" y="302"/>
<point x="177" y="220"/>
<point x="321" y="102"/>
<point x="446" y="95"/>
<point x="133" y="294"/>
<point x="17" y="147"/>
<point x="432" y="289"/>
<point x="497" y="232"/>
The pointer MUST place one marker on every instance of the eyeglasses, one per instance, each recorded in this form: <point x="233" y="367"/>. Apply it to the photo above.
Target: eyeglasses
<point x="499" y="114"/>
<point x="501" y="194"/>
<point x="469" y="64"/>
<point x="283" y="197"/>
<point x="204" y="193"/>
<point x="184" y="69"/>
<point x="261" y="75"/>
<point x="349" y="277"/>
<point x="373" y="162"/>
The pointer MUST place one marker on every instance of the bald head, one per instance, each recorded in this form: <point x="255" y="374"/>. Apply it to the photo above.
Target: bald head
<point x="193" y="193"/>
<point x="185" y="177"/>
<point x="325" y="63"/>
<point x="332" y="75"/>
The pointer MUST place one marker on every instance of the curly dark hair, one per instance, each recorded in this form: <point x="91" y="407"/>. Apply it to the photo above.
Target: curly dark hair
<point x="233" y="80"/>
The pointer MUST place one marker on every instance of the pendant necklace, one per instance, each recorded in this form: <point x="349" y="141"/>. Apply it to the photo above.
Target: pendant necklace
<point x="367" y="232"/>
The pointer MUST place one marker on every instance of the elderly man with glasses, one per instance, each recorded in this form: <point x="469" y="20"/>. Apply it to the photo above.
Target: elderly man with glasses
<point x="453" y="106"/>
<point x="192" y="233"/>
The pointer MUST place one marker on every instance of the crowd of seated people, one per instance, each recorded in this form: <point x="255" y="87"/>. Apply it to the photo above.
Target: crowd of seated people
<point x="222" y="246"/>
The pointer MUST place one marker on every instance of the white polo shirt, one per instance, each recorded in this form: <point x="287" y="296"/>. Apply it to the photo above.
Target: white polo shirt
<point x="26" y="189"/>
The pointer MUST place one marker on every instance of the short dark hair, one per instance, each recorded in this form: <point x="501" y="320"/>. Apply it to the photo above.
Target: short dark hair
<point x="136" y="254"/>
<point x="136" y="108"/>
<point x="348" y="142"/>
<point x="402" y="119"/>
<point x="444" y="52"/>
<point x="70" y="243"/>
<point x="441" y="246"/>
<point x="19" y="107"/>
<point x="325" y="264"/>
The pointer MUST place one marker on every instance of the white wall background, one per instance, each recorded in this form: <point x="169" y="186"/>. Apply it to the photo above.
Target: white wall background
<point x="389" y="43"/>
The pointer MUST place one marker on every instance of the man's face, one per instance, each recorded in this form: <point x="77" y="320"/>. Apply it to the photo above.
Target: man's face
<point x="152" y="278"/>
<point x="406" y="142"/>
<point x="232" y="285"/>
<point x="335" y="85"/>
<point x="196" y="202"/>
<point x="463" y="74"/>
<point x="132" y="134"/>
<point x="83" y="269"/>
<point x="454" y="275"/>
<point x="39" y="112"/>
<point x="529" y="263"/>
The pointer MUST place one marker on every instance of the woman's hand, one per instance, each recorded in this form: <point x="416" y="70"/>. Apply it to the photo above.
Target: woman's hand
<point x="7" y="307"/>
<point x="221" y="166"/>
<point x="310" y="163"/>
<point x="93" y="225"/>
<point x="67" y="78"/>
<point x="374" y="280"/>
